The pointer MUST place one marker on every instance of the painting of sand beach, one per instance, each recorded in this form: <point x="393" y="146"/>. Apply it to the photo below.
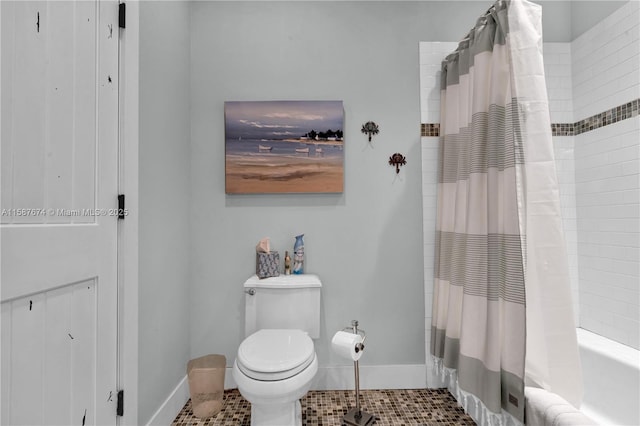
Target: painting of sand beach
<point x="284" y="146"/>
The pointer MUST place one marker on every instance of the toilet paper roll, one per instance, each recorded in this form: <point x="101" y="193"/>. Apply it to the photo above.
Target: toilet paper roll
<point x="344" y="344"/>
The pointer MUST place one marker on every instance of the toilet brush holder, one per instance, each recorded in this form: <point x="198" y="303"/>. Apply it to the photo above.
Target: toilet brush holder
<point x="355" y="416"/>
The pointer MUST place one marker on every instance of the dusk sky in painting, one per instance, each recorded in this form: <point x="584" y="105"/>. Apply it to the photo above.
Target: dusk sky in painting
<point x="281" y="119"/>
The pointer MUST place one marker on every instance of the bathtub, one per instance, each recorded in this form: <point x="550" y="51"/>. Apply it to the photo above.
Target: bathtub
<point x="611" y="376"/>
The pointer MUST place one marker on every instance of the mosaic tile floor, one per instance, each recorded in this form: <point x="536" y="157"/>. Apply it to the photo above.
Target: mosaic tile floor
<point x="393" y="408"/>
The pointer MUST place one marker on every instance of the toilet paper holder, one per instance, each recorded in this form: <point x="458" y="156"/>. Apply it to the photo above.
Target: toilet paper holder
<point x="355" y="330"/>
<point x="355" y="416"/>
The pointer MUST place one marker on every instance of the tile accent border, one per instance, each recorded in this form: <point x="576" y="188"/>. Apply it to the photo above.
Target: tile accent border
<point x="610" y="116"/>
<point x="563" y="129"/>
<point x="430" y="129"/>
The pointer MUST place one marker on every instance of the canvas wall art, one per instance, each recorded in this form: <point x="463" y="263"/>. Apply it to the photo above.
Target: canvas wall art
<point x="284" y="147"/>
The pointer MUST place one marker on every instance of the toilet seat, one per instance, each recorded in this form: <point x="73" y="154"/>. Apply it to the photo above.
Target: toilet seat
<point x="275" y="354"/>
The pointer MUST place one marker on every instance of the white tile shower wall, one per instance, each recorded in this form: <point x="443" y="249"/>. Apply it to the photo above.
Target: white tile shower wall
<point x="431" y="56"/>
<point x="606" y="63"/>
<point x="563" y="147"/>
<point x="607" y="196"/>
<point x="557" y="68"/>
<point x="429" y="200"/>
<point x="606" y="74"/>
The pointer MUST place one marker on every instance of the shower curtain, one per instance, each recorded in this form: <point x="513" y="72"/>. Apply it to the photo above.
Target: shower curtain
<point x="501" y="300"/>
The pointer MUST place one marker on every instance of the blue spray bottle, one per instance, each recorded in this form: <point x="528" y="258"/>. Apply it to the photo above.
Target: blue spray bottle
<point x="298" y="255"/>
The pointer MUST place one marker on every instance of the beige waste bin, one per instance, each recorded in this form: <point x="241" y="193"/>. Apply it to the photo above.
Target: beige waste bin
<point x="206" y="384"/>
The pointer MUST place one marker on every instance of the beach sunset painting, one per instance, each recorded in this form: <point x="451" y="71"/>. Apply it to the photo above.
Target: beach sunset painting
<point x="284" y="146"/>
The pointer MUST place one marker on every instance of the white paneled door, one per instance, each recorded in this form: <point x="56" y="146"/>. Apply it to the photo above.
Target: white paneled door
<point x="58" y="233"/>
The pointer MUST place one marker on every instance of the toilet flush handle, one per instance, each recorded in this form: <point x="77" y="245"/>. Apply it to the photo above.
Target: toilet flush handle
<point x="250" y="291"/>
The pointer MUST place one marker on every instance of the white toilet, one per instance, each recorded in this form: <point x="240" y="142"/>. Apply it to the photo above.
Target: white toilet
<point x="276" y="362"/>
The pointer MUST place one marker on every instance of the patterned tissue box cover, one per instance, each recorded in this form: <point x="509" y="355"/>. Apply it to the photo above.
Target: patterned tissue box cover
<point x="268" y="264"/>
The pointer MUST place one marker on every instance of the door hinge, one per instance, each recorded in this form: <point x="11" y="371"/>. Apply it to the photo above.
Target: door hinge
<point x="121" y="210"/>
<point x="120" y="407"/>
<point x="122" y="15"/>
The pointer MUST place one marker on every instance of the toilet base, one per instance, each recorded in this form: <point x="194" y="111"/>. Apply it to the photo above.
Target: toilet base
<point x="276" y="403"/>
<point x="277" y="414"/>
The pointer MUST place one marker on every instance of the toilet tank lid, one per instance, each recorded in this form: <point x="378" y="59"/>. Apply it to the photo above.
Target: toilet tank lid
<point x="285" y="281"/>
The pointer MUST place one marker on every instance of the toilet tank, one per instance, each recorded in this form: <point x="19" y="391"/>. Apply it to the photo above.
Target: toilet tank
<point x="287" y="301"/>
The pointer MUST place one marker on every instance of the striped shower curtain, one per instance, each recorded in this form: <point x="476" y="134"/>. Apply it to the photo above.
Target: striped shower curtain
<point x="501" y="296"/>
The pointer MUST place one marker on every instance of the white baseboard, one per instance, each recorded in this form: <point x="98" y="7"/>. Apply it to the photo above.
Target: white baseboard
<point x="171" y="406"/>
<point x="412" y="376"/>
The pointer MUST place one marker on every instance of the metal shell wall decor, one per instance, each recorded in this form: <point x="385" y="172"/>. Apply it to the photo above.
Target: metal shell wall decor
<point x="397" y="160"/>
<point x="370" y="128"/>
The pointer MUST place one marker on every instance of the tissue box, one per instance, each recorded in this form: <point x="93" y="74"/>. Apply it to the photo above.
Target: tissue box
<point x="268" y="264"/>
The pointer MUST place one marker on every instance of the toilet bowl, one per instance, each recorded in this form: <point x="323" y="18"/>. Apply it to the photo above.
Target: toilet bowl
<point x="274" y="368"/>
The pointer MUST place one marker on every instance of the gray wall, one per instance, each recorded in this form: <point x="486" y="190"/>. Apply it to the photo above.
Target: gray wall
<point x="164" y="202"/>
<point x="365" y="244"/>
